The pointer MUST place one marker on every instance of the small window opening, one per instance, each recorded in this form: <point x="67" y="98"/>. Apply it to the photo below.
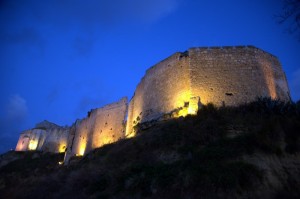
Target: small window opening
<point x="186" y="104"/>
<point x="229" y="94"/>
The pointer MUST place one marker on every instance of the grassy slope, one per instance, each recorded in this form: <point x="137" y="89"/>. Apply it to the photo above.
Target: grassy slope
<point x="250" y="151"/>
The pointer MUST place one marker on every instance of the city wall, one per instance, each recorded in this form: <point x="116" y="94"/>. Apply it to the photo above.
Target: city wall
<point x="164" y="88"/>
<point x="32" y="139"/>
<point x="46" y="137"/>
<point x="102" y="126"/>
<point x="235" y="75"/>
<point x="219" y="75"/>
<point x="176" y="86"/>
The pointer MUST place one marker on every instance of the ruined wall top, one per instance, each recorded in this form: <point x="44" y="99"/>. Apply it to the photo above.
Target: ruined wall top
<point x="208" y="49"/>
<point x="105" y="108"/>
<point x="175" y="86"/>
<point x="47" y="125"/>
<point x="231" y="48"/>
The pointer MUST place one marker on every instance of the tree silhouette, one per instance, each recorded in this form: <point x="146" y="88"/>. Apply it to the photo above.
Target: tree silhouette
<point x="290" y="15"/>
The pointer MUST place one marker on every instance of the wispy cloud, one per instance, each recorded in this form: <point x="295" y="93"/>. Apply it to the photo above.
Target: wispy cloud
<point x="29" y="23"/>
<point x="53" y="95"/>
<point x="16" y="109"/>
<point x="82" y="46"/>
<point x="97" y="12"/>
<point x="11" y="123"/>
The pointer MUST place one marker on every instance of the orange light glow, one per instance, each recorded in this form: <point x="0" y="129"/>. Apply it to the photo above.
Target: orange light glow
<point x="32" y="145"/>
<point x="193" y="105"/>
<point x="188" y="105"/>
<point x="62" y="147"/>
<point x="181" y="98"/>
<point x="82" y="149"/>
<point x="130" y="135"/>
<point x="183" y="112"/>
<point x="269" y="76"/>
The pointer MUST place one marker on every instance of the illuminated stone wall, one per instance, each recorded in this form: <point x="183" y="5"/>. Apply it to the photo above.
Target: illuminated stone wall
<point x="220" y="75"/>
<point x="174" y="87"/>
<point x="165" y="87"/>
<point x="32" y="139"/>
<point x="46" y="137"/>
<point x="23" y="142"/>
<point x="102" y="126"/>
<point x="56" y="140"/>
<point x="234" y="75"/>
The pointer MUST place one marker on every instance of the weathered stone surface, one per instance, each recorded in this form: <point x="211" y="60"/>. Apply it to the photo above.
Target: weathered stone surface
<point x="102" y="126"/>
<point x="223" y="76"/>
<point x="46" y="136"/>
<point x="165" y="87"/>
<point x="175" y="87"/>
<point x="232" y="76"/>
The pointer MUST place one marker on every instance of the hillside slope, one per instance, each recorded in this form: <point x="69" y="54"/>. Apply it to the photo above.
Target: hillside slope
<point x="251" y="151"/>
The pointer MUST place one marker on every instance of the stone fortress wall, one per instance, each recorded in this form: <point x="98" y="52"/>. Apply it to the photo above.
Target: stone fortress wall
<point x="31" y="140"/>
<point x="160" y="91"/>
<point x="235" y="75"/>
<point x="176" y="86"/>
<point x="45" y="136"/>
<point x="102" y="126"/>
<point x="220" y="75"/>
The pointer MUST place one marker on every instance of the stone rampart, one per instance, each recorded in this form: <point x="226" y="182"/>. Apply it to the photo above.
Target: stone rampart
<point x="46" y="136"/>
<point x="32" y="139"/>
<point x="235" y="75"/>
<point x="164" y="88"/>
<point x="220" y="75"/>
<point x="176" y="86"/>
<point x="102" y="126"/>
<point x="56" y="140"/>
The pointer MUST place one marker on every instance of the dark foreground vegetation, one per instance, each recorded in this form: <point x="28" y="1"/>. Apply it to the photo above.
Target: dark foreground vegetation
<point x="251" y="151"/>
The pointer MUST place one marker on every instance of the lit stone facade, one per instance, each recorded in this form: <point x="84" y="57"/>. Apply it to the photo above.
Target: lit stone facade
<point x="102" y="126"/>
<point x="176" y="86"/>
<point x="226" y="76"/>
<point x="45" y="136"/>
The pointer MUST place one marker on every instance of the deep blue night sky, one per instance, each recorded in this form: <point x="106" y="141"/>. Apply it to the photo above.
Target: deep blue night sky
<point x="61" y="58"/>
